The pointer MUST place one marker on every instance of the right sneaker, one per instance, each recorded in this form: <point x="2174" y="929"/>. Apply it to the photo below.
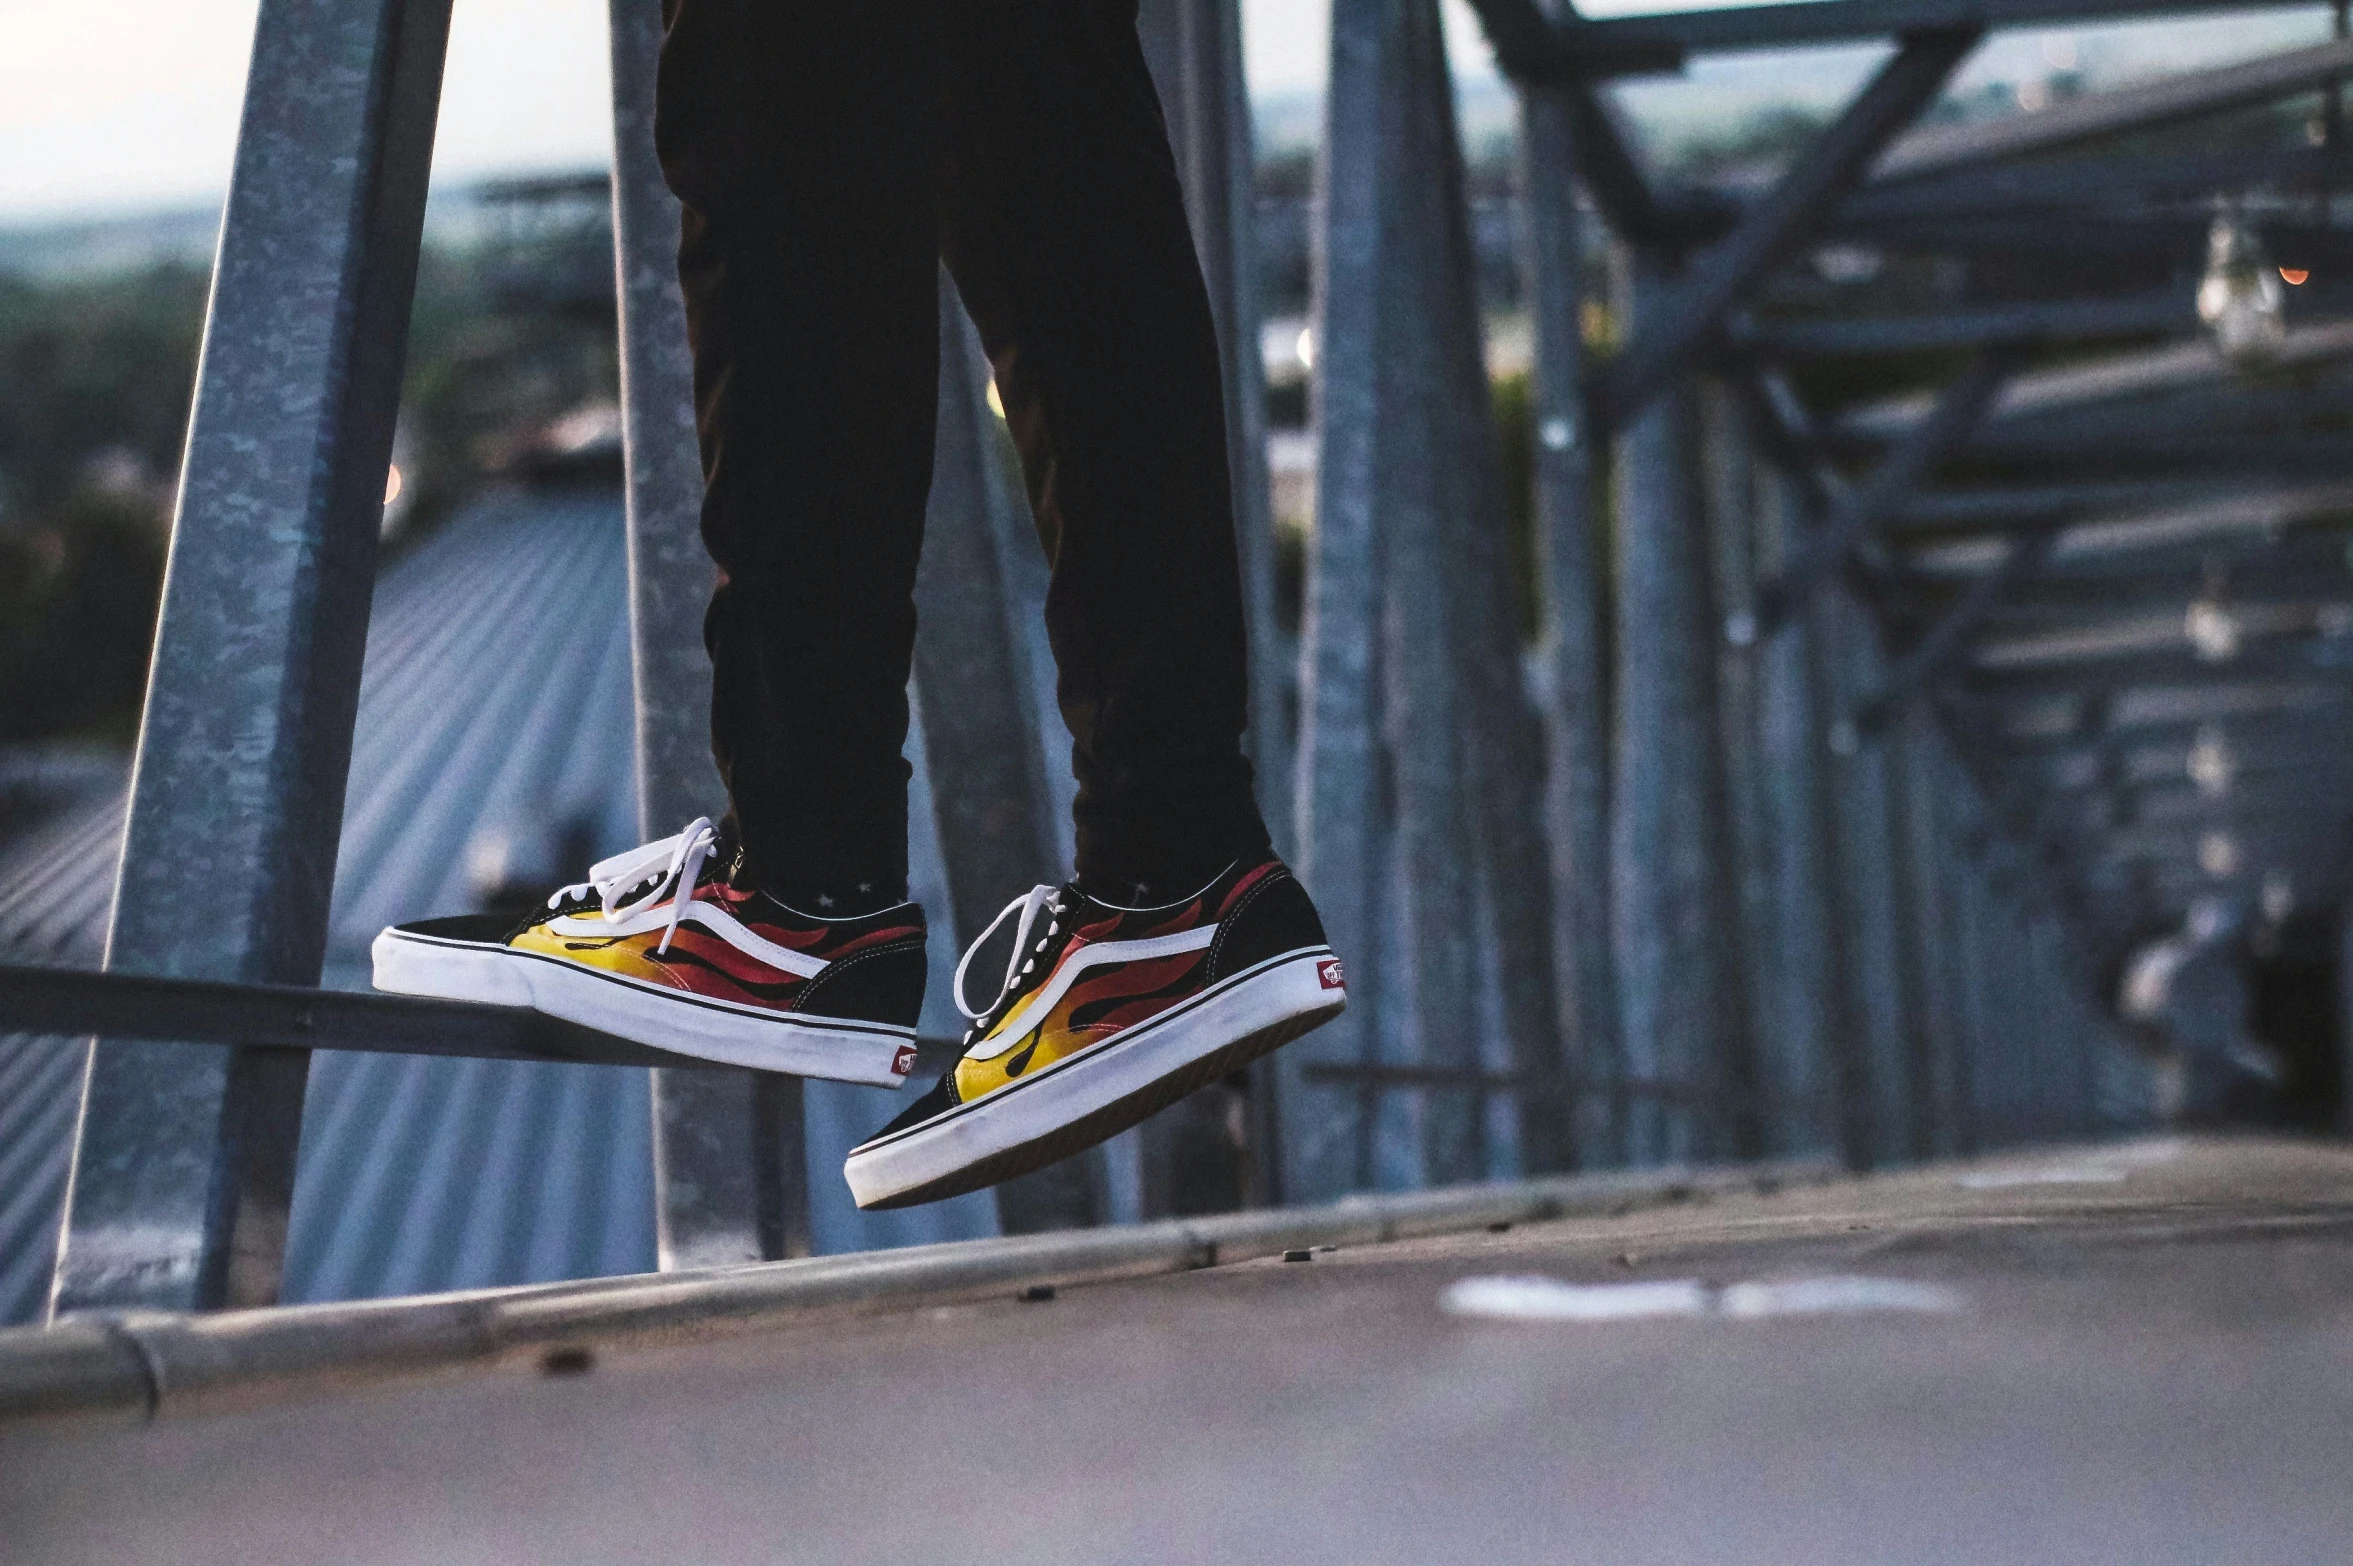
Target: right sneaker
<point x="1106" y="1014"/>
<point x="659" y="945"/>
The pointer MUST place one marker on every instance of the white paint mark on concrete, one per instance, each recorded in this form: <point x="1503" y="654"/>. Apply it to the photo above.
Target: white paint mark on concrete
<point x="1834" y="1296"/>
<point x="1537" y="1298"/>
<point x="1534" y="1298"/>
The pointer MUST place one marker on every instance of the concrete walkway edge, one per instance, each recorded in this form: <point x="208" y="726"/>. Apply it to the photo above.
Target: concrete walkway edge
<point x="135" y="1366"/>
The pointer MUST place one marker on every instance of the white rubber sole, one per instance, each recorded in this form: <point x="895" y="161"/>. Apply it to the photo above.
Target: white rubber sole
<point x="870" y="1053"/>
<point x="1099" y="1092"/>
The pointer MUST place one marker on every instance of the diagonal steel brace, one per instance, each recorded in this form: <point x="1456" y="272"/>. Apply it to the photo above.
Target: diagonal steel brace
<point x="1823" y="175"/>
<point x="1958" y="410"/>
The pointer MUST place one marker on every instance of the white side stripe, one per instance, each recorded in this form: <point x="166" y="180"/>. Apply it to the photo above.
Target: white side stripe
<point x="1093" y="955"/>
<point x="712" y="918"/>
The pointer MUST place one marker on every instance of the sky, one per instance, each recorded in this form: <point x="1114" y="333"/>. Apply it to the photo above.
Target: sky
<point x="114" y="105"/>
<point x="110" y="106"/>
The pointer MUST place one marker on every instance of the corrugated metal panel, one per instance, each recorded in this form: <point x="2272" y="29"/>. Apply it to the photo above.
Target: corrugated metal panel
<point x="494" y="723"/>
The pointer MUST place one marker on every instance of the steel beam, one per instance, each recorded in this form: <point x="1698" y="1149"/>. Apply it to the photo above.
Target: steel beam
<point x="1996" y="507"/>
<point x="2075" y="189"/>
<point x="1923" y="852"/>
<point x="1192" y="1160"/>
<point x="1476" y="557"/>
<point x="1927" y="443"/>
<point x="1412" y="665"/>
<point x="2264" y="512"/>
<point x="1638" y="211"/>
<point x="1801" y="1069"/>
<point x="1948" y="640"/>
<point x="1972" y="977"/>
<point x="1666" y="849"/>
<point x="2036" y="396"/>
<point x="1879" y="1101"/>
<point x="2242" y="425"/>
<point x="1537" y="50"/>
<point x="1781" y="26"/>
<point x="184" y="1161"/>
<point x="1730" y="483"/>
<point x="2089" y="237"/>
<point x="1424" y="695"/>
<point x="1575" y="691"/>
<point x="2344" y="1022"/>
<point x="730" y="1184"/>
<point x="1341" y="813"/>
<point x="2176" y="667"/>
<point x="2006" y="326"/>
<point x="2179" y="706"/>
<point x="1942" y="149"/>
<point x="1777" y="225"/>
<point x="297" y="1017"/>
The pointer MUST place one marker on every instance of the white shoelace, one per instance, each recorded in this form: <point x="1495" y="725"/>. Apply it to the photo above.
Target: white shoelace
<point x="658" y="865"/>
<point x="1038" y="899"/>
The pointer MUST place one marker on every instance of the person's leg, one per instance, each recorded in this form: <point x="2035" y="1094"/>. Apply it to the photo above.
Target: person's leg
<point x="1064" y="224"/>
<point x="800" y="136"/>
<point x="1184" y="951"/>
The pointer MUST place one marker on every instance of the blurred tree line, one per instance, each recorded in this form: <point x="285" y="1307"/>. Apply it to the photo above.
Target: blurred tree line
<point x="94" y="385"/>
<point x="96" y="375"/>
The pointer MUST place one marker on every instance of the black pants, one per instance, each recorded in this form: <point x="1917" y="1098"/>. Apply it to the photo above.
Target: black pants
<point x="830" y="153"/>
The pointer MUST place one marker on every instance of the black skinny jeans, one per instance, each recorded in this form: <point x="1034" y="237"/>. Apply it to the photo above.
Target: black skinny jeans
<point x="830" y="153"/>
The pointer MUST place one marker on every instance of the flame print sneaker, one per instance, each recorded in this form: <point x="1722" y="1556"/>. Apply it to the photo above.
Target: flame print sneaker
<point x="1106" y="1014"/>
<point x="659" y="946"/>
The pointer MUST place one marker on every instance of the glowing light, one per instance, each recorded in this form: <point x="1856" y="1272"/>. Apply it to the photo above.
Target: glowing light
<point x="2218" y="855"/>
<point x="2279" y="895"/>
<point x="996" y="403"/>
<point x="1305" y="348"/>
<point x="2213" y="631"/>
<point x="392" y="485"/>
<point x="2295" y="276"/>
<point x="2210" y="764"/>
<point x="2239" y="297"/>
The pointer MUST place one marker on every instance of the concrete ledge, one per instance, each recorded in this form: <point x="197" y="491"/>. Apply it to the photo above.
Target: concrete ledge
<point x="136" y="1366"/>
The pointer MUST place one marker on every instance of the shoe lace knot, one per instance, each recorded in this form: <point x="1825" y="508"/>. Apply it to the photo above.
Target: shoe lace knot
<point x="1037" y="900"/>
<point x="656" y="867"/>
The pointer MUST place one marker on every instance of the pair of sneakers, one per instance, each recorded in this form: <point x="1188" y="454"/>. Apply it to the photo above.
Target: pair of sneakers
<point x="1104" y="1014"/>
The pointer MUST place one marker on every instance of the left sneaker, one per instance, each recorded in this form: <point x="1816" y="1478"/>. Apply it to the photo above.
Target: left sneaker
<point x="661" y="945"/>
<point x="1106" y="1015"/>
